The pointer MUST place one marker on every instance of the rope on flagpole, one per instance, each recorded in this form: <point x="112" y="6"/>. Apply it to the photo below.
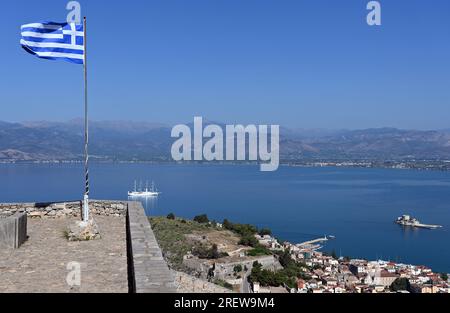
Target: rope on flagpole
<point x="86" y="132"/>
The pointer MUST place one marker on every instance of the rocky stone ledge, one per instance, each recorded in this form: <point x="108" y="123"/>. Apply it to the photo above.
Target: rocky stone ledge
<point x="64" y="209"/>
<point x="148" y="271"/>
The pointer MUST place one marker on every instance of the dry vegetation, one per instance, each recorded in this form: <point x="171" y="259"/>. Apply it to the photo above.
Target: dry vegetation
<point x="178" y="236"/>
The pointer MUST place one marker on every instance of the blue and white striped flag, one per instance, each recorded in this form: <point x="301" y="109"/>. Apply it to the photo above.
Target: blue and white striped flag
<point x="54" y="41"/>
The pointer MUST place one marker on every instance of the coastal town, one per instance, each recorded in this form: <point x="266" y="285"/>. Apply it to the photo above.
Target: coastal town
<point x="254" y="261"/>
<point x="329" y="274"/>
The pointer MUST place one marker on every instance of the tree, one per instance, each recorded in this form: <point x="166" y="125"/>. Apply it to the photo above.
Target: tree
<point x="285" y="259"/>
<point x="245" y="229"/>
<point x="203" y="252"/>
<point x="249" y="240"/>
<point x="171" y="216"/>
<point x="400" y="283"/>
<point x="202" y="219"/>
<point x="237" y="268"/>
<point x="227" y="224"/>
<point x="214" y="252"/>
<point x="265" y="231"/>
<point x="268" y="277"/>
<point x="444" y="276"/>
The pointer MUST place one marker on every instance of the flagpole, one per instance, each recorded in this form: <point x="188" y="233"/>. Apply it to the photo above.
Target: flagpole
<point x="86" y="132"/>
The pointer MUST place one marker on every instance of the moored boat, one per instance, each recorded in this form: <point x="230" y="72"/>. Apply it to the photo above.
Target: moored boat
<point x="147" y="192"/>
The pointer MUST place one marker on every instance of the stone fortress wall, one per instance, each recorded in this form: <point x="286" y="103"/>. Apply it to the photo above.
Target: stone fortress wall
<point x="148" y="272"/>
<point x="64" y="209"/>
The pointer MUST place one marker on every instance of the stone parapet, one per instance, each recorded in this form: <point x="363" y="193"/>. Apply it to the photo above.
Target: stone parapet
<point x="64" y="209"/>
<point x="150" y="272"/>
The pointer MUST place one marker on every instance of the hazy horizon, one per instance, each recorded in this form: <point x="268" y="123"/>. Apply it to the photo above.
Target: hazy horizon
<point x="308" y="64"/>
<point x="80" y="120"/>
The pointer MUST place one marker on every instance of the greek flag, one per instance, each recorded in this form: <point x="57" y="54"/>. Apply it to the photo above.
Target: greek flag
<point x="54" y="41"/>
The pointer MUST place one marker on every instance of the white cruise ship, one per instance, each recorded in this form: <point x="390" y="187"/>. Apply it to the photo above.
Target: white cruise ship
<point x="147" y="192"/>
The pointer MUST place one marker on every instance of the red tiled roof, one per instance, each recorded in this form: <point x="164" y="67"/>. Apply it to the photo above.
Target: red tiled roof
<point x="387" y="274"/>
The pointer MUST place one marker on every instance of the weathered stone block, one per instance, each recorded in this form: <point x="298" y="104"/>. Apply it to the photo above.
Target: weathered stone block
<point x="13" y="231"/>
<point x="82" y="231"/>
<point x="36" y="214"/>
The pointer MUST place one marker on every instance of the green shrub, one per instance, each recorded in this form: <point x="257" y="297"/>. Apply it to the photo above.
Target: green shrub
<point x="400" y="283"/>
<point x="249" y="240"/>
<point x="202" y="219"/>
<point x="223" y="283"/>
<point x="265" y="231"/>
<point x="204" y="252"/>
<point x="259" y="250"/>
<point x="237" y="268"/>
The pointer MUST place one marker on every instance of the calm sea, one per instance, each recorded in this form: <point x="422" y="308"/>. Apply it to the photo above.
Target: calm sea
<point x="357" y="206"/>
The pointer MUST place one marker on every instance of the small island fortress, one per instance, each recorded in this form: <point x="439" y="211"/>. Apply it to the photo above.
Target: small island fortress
<point x="407" y="220"/>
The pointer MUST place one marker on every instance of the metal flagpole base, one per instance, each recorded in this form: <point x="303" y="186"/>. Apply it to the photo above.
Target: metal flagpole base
<point x="86" y="209"/>
<point x="85" y="229"/>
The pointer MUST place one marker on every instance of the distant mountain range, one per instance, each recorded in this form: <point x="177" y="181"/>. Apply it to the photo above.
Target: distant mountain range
<point x="141" y="141"/>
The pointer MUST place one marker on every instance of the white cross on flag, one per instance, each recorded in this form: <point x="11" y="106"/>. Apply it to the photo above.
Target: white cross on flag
<point x="54" y="41"/>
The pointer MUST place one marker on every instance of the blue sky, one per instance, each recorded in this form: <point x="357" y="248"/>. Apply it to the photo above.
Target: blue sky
<point x="305" y="64"/>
